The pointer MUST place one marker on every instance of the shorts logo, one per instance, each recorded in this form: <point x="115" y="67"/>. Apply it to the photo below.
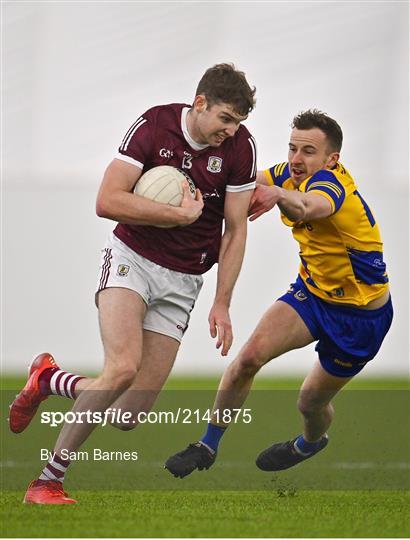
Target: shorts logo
<point x="214" y="164"/>
<point x="123" y="270"/>
<point x="342" y="363"/>
<point x="299" y="295"/>
<point x="182" y="329"/>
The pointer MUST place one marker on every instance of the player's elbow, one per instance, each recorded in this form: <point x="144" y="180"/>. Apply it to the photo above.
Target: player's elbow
<point x="99" y="210"/>
<point x="300" y="211"/>
<point x="102" y="208"/>
<point x="295" y="214"/>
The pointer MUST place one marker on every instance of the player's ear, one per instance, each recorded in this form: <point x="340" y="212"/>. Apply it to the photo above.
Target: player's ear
<point x="332" y="159"/>
<point x="200" y="103"/>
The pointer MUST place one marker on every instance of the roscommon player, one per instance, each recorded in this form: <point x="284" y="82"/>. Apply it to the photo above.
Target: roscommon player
<point x="340" y="298"/>
<point x="152" y="265"/>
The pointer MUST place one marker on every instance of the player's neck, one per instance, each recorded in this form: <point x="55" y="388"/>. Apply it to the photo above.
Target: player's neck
<point x="191" y="125"/>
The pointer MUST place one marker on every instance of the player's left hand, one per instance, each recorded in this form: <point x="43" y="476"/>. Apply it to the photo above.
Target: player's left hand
<point x="263" y="199"/>
<point x="220" y="327"/>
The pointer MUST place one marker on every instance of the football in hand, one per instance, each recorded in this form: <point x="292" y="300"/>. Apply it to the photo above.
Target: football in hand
<point x="163" y="184"/>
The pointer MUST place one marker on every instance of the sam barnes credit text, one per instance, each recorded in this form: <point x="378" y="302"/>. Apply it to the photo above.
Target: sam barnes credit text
<point x="97" y="454"/>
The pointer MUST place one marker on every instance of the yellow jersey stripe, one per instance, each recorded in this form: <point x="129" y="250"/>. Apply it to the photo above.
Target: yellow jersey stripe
<point x="336" y="189"/>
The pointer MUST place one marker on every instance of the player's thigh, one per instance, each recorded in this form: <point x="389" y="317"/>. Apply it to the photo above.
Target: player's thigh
<point x="158" y="356"/>
<point x="281" y="329"/>
<point x="319" y="387"/>
<point x="121" y="314"/>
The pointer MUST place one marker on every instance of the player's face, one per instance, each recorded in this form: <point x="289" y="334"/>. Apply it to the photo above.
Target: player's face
<point x="215" y="123"/>
<point x="308" y="154"/>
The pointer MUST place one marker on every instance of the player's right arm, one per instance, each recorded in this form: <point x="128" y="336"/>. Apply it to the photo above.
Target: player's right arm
<point x="322" y="196"/>
<point x="261" y="201"/>
<point x="116" y="200"/>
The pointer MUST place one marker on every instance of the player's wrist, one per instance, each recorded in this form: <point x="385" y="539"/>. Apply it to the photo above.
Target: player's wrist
<point x="280" y="194"/>
<point x="188" y="214"/>
<point x="181" y="215"/>
<point x="222" y="301"/>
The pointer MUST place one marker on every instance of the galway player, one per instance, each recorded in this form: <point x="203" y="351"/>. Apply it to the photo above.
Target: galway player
<point x="340" y="298"/>
<point x="150" y="275"/>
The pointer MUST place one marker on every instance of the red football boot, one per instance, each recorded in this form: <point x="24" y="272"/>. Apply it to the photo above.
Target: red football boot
<point x="25" y="405"/>
<point x="47" y="492"/>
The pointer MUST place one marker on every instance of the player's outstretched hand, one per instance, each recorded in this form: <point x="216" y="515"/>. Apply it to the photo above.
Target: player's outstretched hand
<point x="192" y="208"/>
<point x="220" y="327"/>
<point x="263" y="199"/>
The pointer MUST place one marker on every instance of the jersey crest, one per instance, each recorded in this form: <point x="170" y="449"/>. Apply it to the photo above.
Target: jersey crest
<point x="214" y="164"/>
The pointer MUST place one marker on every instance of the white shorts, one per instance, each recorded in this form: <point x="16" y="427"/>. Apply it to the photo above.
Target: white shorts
<point x="170" y="296"/>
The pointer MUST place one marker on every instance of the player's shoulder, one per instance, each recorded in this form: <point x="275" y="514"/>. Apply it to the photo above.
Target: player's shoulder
<point x="164" y="113"/>
<point x="278" y="173"/>
<point x="339" y="175"/>
<point x="243" y="131"/>
<point x="335" y="184"/>
<point x="243" y="135"/>
<point x="242" y="141"/>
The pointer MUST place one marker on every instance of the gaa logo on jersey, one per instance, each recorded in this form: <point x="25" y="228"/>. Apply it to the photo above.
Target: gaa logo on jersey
<point x="214" y="164"/>
<point x="123" y="270"/>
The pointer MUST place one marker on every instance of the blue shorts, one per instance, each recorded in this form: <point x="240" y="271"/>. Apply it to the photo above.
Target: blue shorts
<point x="347" y="337"/>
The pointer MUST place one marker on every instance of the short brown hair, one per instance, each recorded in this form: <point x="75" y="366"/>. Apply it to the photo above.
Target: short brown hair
<point x="313" y="118"/>
<point x="223" y="83"/>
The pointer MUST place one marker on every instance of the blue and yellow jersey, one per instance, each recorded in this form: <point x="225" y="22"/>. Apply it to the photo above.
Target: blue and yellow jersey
<point x="341" y="255"/>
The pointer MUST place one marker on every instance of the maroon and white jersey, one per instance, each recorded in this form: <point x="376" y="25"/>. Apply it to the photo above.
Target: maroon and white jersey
<point x="160" y="137"/>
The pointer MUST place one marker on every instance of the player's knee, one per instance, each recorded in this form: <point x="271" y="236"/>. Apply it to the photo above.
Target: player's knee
<point x="121" y="376"/>
<point x="131" y="421"/>
<point x="251" y="358"/>
<point x="305" y="408"/>
<point x="129" y="426"/>
<point x="126" y="377"/>
<point x="309" y="405"/>
<point x="313" y="401"/>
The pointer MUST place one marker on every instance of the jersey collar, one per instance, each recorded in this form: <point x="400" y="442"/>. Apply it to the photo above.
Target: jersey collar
<point x="187" y="136"/>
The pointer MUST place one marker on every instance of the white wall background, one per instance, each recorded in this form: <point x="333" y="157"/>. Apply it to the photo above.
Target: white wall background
<point x="77" y="74"/>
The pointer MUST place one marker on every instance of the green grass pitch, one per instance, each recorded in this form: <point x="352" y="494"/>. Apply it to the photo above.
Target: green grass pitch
<point x="358" y="487"/>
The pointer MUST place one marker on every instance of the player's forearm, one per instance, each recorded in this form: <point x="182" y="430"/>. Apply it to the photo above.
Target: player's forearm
<point x="134" y="210"/>
<point x="292" y="204"/>
<point x="229" y="264"/>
